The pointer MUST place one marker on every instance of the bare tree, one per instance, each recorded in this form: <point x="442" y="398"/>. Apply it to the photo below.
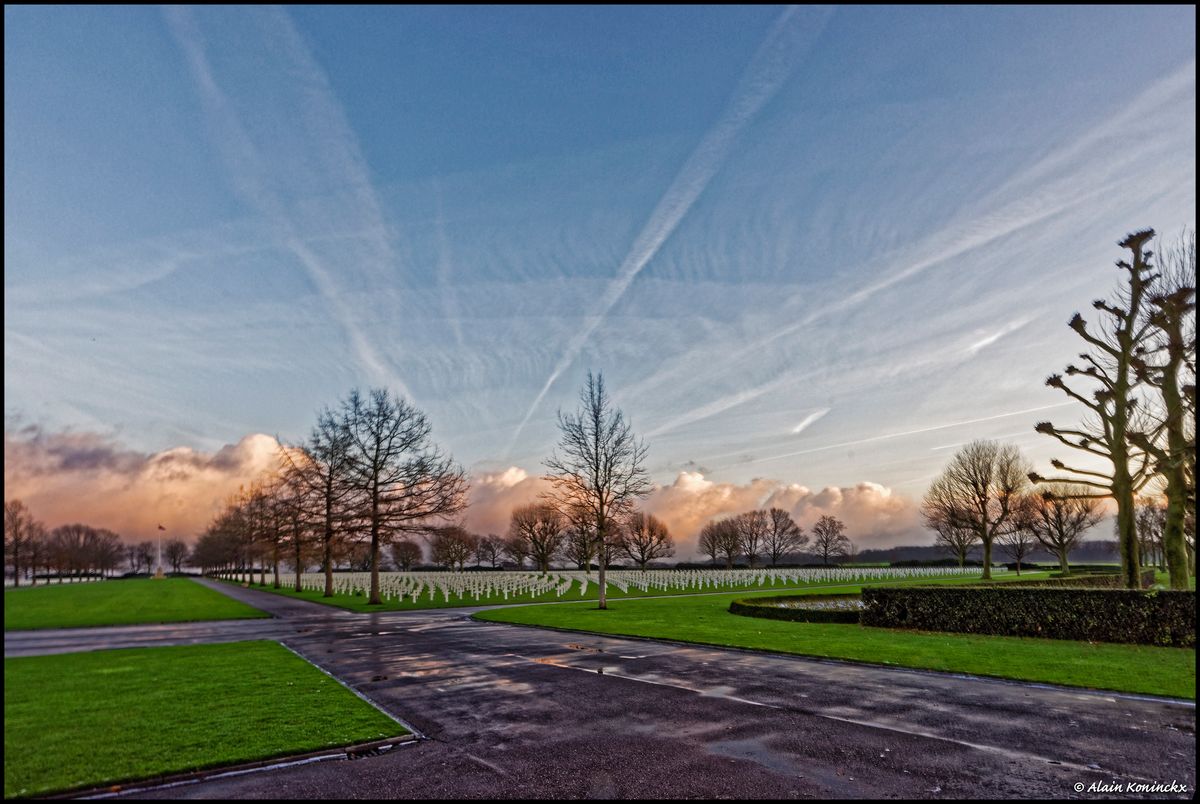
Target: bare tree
<point x="542" y="528"/>
<point x="829" y="538"/>
<point x="489" y="551"/>
<point x="752" y="528"/>
<point x="406" y="553"/>
<point x="175" y="551"/>
<point x="17" y="527"/>
<point x="710" y="542"/>
<point x="1151" y="518"/>
<point x="959" y="541"/>
<point x="516" y="548"/>
<point x="783" y="535"/>
<point x="723" y="539"/>
<point x="645" y="538"/>
<point x="1105" y="431"/>
<point x="403" y="481"/>
<point x="453" y="546"/>
<point x="979" y="491"/>
<point x="599" y="469"/>
<point x="321" y="471"/>
<point x="1019" y="540"/>
<point x="1059" y="516"/>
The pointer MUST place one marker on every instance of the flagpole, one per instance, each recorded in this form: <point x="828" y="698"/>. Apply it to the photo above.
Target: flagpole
<point x="159" y="572"/>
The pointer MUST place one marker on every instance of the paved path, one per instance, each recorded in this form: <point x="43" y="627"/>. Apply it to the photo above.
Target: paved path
<point x="525" y="712"/>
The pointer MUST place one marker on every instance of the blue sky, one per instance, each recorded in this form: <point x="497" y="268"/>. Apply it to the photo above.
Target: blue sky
<point x="822" y="246"/>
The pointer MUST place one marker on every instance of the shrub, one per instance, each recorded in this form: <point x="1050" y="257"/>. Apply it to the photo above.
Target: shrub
<point x="1095" y="615"/>
<point x="768" y="608"/>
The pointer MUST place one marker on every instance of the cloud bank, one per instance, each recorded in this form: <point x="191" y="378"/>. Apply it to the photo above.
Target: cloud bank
<point x="86" y="477"/>
<point x="75" y="476"/>
<point x="875" y="516"/>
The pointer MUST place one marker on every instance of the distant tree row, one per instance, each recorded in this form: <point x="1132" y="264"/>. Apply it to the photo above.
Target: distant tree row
<point x="772" y="534"/>
<point x="74" y="550"/>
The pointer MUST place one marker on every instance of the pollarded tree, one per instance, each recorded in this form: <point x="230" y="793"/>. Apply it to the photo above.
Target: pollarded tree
<point x="979" y="491"/>
<point x="752" y="528"/>
<point x="1111" y="406"/>
<point x="829" y="538"/>
<point x="1168" y="364"/>
<point x="598" y="469"/>
<point x="645" y="538"/>
<point x="542" y="529"/>
<point x="403" y="480"/>
<point x="783" y="535"/>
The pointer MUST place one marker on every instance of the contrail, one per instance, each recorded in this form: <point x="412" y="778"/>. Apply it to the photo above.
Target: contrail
<point x="809" y="419"/>
<point x="250" y="177"/>
<point x="1014" y="206"/>
<point x="907" y="433"/>
<point x="788" y="40"/>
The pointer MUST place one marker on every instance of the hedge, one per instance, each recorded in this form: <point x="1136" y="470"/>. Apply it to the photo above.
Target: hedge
<point x="1104" y="581"/>
<point x="762" y="607"/>
<point x="1095" y="615"/>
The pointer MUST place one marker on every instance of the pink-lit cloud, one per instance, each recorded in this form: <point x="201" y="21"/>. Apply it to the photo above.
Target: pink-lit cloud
<point x="85" y="477"/>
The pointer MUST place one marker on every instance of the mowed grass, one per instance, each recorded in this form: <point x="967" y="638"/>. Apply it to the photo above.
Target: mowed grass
<point x="1122" y="668"/>
<point x="83" y="719"/>
<point x="118" y="602"/>
<point x="359" y="602"/>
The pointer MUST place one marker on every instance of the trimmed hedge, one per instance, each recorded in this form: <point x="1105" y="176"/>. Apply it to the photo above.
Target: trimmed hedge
<point x="761" y="607"/>
<point x="1095" y="615"/>
<point x="1105" y="581"/>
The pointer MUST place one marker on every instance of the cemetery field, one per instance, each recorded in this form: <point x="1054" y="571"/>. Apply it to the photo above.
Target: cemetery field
<point x="706" y="620"/>
<point x="118" y="602"/>
<point x="87" y="719"/>
<point x="407" y="591"/>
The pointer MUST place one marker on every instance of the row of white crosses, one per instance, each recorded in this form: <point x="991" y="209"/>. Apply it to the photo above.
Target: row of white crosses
<point x="502" y="586"/>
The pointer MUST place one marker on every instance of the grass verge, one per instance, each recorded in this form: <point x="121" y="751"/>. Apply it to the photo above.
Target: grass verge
<point x="85" y="719"/>
<point x="706" y="620"/>
<point x="118" y="602"/>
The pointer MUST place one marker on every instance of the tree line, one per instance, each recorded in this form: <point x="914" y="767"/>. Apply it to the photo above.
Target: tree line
<point x="76" y="551"/>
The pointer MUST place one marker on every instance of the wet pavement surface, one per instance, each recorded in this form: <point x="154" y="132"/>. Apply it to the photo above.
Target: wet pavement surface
<point x="513" y="712"/>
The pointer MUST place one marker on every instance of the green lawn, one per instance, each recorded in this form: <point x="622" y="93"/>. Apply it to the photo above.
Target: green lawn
<point x="359" y="602"/>
<point x="84" y="719"/>
<point x="118" y="602"/>
<point x="1124" y="668"/>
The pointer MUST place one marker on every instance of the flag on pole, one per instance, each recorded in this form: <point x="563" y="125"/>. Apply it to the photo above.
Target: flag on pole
<point x="160" y="527"/>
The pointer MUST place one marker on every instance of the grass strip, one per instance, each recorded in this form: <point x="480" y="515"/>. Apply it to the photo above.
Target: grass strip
<point x="86" y="719"/>
<point x="706" y="620"/>
<point x="119" y="602"/>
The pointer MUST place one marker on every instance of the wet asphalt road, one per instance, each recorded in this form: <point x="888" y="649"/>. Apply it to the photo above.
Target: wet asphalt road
<point x="522" y="712"/>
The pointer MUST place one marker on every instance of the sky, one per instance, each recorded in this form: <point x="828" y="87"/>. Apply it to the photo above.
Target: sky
<point x="811" y="249"/>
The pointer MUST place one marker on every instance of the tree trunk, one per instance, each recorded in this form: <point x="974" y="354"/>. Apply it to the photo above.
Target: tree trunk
<point x="1127" y="533"/>
<point x="1062" y="562"/>
<point x="375" y="598"/>
<point x="986" y="538"/>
